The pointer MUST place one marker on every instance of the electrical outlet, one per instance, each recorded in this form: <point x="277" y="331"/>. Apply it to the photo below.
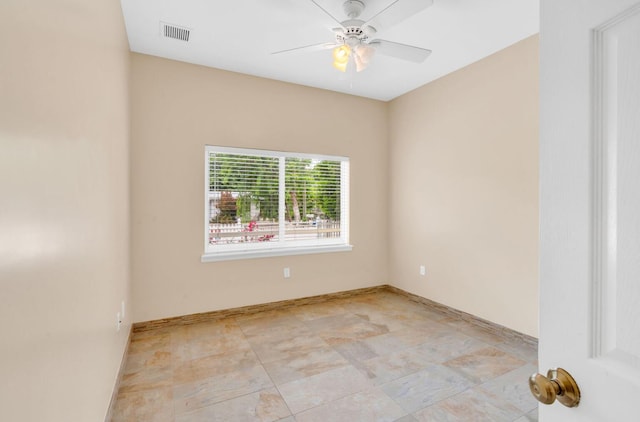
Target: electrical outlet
<point x="287" y="272"/>
<point x="423" y="270"/>
<point x="118" y="321"/>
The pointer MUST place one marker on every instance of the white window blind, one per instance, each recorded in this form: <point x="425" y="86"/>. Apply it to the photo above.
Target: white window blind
<point x="265" y="203"/>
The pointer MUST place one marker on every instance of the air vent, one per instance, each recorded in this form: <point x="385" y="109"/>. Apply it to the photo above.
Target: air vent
<point x="173" y="31"/>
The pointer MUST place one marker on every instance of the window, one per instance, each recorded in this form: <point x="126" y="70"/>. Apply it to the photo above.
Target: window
<point x="267" y="203"/>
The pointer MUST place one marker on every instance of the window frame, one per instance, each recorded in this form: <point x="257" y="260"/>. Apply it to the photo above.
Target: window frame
<point x="282" y="247"/>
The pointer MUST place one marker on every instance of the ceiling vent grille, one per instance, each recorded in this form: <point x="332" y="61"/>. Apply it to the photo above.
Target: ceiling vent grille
<point x="173" y="31"/>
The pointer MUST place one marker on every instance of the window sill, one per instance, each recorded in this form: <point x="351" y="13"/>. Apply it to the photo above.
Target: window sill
<point x="235" y="255"/>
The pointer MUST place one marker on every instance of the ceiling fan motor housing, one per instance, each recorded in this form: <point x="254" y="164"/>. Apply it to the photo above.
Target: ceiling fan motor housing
<point x="352" y="34"/>
<point x="354" y="31"/>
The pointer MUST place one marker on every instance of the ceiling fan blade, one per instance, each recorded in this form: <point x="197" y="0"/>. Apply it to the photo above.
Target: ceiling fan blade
<point x="309" y="48"/>
<point x="401" y="51"/>
<point x="329" y="14"/>
<point x="396" y="12"/>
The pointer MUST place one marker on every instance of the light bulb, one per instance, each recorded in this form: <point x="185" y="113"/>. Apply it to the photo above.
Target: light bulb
<point x="341" y="57"/>
<point x="341" y="53"/>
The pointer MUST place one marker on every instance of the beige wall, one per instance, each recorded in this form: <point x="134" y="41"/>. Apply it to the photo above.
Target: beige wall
<point x="464" y="188"/>
<point x="64" y="254"/>
<point x="177" y="109"/>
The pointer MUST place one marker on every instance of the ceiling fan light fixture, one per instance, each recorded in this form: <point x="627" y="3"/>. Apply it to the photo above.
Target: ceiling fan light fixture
<point x="341" y="57"/>
<point x="341" y="53"/>
<point x="360" y="65"/>
<point x="342" y="67"/>
<point x="363" y="55"/>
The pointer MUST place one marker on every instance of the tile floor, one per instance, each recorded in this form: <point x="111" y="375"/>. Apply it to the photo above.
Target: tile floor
<point x="374" y="357"/>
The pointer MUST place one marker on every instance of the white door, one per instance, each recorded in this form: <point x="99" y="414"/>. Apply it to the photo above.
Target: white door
<point x="590" y="205"/>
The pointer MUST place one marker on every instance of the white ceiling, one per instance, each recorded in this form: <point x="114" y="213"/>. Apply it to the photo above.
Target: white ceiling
<point x="240" y="35"/>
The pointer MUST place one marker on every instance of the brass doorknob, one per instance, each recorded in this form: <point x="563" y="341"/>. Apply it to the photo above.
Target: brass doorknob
<point x="558" y="384"/>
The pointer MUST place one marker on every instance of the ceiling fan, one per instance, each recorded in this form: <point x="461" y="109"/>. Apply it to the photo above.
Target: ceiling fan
<point x="354" y="43"/>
